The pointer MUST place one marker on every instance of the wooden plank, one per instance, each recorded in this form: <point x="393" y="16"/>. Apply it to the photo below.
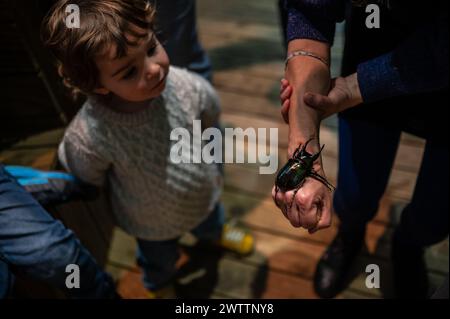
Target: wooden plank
<point x="238" y="30"/>
<point x="123" y="249"/>
<point x="37" y="158"/>
<point x="401" y="184"/>
<point x="247" y="281"/>
<point x="76" y="217"/>
<point x="408" y="156"/>
<point x="47" y="139"/>
<point x="256" y="11"/>
<point x="260" y="212"/>
<point x="264" y="215"/>
<point x="299" y="258"/>
<point x="275" y="253"/>
<point x="38" y="150"/>
<point x="247" y="178"/>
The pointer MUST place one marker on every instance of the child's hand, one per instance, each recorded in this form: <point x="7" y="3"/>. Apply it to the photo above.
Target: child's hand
<point x="285" y="95"/>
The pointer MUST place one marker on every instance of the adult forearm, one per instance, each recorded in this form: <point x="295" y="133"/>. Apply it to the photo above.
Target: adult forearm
<point x="306" y="74"/>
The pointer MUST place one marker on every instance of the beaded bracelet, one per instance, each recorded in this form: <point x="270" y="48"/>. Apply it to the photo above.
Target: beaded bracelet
<point x="305" y="53"/>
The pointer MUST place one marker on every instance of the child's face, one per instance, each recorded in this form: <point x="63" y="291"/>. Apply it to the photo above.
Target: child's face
<point x="138" y="76"/>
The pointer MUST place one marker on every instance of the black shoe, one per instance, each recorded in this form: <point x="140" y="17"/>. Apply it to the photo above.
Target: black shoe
<point x="333" y="268"/>
<point x="409" y="269"/>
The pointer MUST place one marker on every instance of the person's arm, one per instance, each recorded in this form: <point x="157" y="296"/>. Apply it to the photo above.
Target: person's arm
<point x="310" y="28"/>
<point x="79" y="158"/>
<point x="39" y="246"/>
<point x="209" y="104"/>
<point x="419" y="64"/>
<point x="306" y="74"/>
<point x="313" y="19"/>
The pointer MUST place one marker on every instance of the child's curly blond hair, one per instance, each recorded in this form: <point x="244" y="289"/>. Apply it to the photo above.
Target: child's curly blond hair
<point x="102" y="23"/>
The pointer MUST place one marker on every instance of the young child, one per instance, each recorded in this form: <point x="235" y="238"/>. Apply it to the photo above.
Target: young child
<point x="121" y="136"/>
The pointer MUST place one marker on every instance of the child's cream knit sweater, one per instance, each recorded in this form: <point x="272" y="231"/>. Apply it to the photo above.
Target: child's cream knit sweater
<point x="152" y="198"/>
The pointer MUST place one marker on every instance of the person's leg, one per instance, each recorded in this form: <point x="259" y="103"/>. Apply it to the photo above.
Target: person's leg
<point x="158" y="262"/>
<point x="366" y="155"/>
<point x="176" y="20"/>
<point x="424" y="222"/>
<point x="214" y="230"/>
<point x="211" y="228"/>
<point x="35" y="244"/>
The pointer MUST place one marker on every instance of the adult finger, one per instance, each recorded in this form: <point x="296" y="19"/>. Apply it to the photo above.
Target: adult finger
<point x="324" y="217"/>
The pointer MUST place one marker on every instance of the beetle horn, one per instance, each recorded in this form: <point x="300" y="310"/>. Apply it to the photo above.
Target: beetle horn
<point x="306" y="144"/>
<point x="316" y="156"/>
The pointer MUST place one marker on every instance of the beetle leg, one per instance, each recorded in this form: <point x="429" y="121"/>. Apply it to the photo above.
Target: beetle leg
<point x="323" y="180"/>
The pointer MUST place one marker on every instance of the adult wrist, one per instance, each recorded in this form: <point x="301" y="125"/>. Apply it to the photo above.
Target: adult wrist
<point x="297" y="139"/>
<point x="306" y="53"/>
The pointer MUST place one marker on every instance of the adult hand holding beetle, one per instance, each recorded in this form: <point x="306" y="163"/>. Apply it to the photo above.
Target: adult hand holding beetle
<point x="311" y="207"/>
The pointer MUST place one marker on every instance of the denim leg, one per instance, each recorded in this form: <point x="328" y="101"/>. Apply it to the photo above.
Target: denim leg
<point x="157" y="260"/>
<point x="177" y="23"/>
<point x="37" y="245"/>
<point x="366" y="156"/>
<point x="211" y="228"/>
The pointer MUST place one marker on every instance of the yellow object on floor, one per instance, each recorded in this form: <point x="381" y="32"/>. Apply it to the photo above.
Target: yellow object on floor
<point x="236" y="240"/>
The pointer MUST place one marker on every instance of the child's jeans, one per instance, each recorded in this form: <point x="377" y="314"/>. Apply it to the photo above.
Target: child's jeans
<point x="158" y="258"/>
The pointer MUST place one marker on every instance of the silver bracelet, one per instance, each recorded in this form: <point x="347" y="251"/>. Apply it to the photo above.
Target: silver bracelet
<point x="305" y="53"/>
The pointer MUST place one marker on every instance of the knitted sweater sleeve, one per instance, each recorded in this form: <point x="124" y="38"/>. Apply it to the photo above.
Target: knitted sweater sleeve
<point x="209" y="103"/>
<point x="77" y="153"/>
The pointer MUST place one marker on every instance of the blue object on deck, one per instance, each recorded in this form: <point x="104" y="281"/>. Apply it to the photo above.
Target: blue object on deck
<point x="32" y="173"/>
<point x="50" y="187"/>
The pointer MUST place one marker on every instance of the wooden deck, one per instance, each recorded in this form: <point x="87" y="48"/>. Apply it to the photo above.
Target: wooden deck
<point x="243" y="39"/>
<point x="244" y="42"/>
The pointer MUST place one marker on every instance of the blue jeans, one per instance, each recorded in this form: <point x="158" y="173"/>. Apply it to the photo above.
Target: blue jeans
<point x="366" y="156"/>
<point x="177" y="29"/>
<point x="36" y="245"/>
<point x="157" y="258"/>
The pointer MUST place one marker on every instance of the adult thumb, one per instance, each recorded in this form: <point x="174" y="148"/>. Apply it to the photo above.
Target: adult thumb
<point x="316" y="101"/>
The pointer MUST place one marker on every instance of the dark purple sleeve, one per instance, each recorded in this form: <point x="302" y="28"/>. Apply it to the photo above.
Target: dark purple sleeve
<point x="313" y="19"/>
<point x="417" y="65"/>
